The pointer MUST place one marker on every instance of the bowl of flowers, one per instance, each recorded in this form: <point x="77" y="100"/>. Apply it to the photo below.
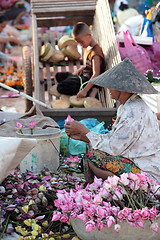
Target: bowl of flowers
<point x="125" y="207"/>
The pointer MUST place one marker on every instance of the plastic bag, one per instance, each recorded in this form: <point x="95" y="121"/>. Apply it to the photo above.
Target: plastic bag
<point x="137" y="54"/>
<point x="154" y="54"/>
<point x="76" y="147"/>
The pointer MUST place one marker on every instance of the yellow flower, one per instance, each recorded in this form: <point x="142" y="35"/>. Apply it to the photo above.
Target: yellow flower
<point x="29" y="237"/>
<point x="25" y="209"/>
<point x="66" y="236"/>
<point x="34" y="233"/>
<point x="52" y="238"/>
<point x="75" y="238"/>
<point x="42" y="188"/>
<point x="44" y="235"/>
<point x="19" y="229"/>
<point x="31" y="202"/>
<point x="24" y="232"/>
<point x="20" y="238"/>
<point x="36" y="227"/>
<point x="45" y="224"/>
<point x="28" y="222"/>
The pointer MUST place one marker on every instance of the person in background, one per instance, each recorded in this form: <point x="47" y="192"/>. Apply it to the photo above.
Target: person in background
<point x="133" y="143"/>
<point x="156" y="27"/>
<point x="94" y="64"/>
<point x="5" y="41"/>
<point x="124" y="13"/>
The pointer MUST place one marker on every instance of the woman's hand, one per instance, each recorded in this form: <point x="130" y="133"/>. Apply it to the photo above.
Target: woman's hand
<point x="77" y="131"/>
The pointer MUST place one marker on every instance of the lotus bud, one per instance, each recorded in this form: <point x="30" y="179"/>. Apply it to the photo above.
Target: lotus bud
<point x="25" y="209"/>
<point x="42" y="188"/>
<point x="30" y="213"/>
<point x="44" y="235"/>
<point x="40" y="195"/>
<point x="9" y="186"/>
<point x="34" y="233"/>
<point x="66" y="236"/>
<point x="31" y="202"/>
<point x="34" y="191"/>
<point x="34" y="197"/>
<point x="2" y="189"/>
<point x="44" y="201"/>
<point x="10" y="196"/>
<point x="37" y="201"/>
<point x="14" y="191"/>
<point x="45" y="224"/>
<point x="28" y="222"/>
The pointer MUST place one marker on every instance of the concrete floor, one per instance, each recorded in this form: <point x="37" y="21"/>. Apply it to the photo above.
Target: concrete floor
<point x="11" y="104"/>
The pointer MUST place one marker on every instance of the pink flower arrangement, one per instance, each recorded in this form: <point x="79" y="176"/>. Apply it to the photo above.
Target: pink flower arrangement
<point x="72" y="161"/>
<point x="31" y="125"/>
<point x="131" y="197"/>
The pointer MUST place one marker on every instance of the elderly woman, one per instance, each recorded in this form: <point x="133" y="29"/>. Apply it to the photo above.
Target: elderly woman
<point x="133" y="143"/>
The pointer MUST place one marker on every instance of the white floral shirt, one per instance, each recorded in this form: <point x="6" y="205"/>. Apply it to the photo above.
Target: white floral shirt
<point x="135" y="135"/>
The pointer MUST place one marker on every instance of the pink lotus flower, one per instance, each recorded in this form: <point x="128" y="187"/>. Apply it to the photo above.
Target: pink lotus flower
<point x="69" y="119"/>
<point x="104" y="203"/>
<point x="73" y="159"/>
<point x="117" y="227"/>
<point x="90" y="225"/>
<point x="32" y="125"/>
<point x="154" y="227"/>
<point x="19" y="125"/>
<point x="110" y="221"/>
<point x="124" y="179"/>
<point x="56" y="216"/>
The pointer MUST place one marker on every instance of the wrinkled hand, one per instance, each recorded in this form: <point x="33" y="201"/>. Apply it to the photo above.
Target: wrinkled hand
<point x="77" y="131"/>
<point x="81" y="94"/>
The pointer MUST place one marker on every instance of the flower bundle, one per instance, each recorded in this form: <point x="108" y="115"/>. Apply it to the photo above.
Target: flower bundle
<point x="26" y="205"/>
<point x="31" y="126"/>
<point x="130" y="197"/>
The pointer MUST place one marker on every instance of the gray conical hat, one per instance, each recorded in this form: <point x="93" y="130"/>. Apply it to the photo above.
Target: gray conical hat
<point x="124" y="77"/>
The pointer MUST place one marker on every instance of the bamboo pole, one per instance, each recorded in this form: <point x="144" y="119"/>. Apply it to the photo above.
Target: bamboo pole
<point x="25" y="95"/>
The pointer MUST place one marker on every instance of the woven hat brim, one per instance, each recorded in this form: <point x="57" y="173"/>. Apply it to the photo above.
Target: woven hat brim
<point x="124" y="77"/>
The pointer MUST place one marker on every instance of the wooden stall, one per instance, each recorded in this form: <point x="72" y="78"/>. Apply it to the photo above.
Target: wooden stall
<point x="67" y="13"/>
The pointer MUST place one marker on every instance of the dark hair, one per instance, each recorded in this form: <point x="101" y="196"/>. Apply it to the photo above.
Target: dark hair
<point x="79" y="28"/>
<point x="123" y="6"/>
<point x="3" y="18"/>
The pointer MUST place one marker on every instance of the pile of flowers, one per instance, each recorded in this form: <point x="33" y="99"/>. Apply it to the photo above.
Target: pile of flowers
<point x="131" y="197"/>
<point x="11" y="76"/>
<point x="27" y="204"/>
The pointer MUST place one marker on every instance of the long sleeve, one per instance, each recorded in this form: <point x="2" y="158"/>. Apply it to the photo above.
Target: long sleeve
<point x="135" y="124"/>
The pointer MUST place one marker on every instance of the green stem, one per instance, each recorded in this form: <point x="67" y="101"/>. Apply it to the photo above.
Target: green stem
<point x="5" y="227"/>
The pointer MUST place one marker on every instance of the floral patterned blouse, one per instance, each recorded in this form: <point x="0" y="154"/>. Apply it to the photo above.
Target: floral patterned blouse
<point x="135" y="135"/>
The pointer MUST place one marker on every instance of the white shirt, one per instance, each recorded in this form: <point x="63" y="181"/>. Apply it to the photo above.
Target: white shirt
<point x="135" y="135"/>
<point x="133" y="24"/>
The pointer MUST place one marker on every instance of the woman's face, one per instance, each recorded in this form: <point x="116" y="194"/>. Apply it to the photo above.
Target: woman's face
<point x="115" y="94"/>
<point x="2" y="26"/>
